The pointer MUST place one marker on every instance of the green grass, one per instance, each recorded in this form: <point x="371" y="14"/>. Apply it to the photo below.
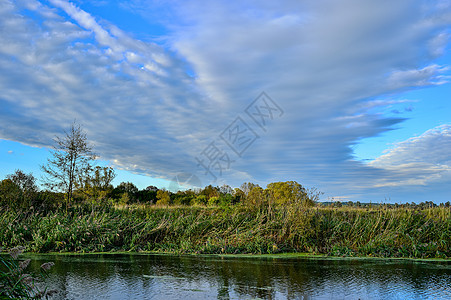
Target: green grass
<point x="349" y="232"/>
<point x="15" y="280"/>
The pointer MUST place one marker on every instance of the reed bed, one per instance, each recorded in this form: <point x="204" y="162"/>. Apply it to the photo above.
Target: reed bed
<point x="346" y="231"/>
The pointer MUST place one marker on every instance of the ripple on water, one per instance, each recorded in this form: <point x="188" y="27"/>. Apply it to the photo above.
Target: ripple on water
<point x="191" y="277"/>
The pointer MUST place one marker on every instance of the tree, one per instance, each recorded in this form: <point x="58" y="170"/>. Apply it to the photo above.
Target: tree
<point x="71" y="161"/>
<point x="247" y="187"/>
<point x="256" y="197"/>
<point x="9" y="191"/>
<point x="288" y="192"/>
<point x="26" y="188"/>
<point x="97" y="185"/>
<point x="201" y="200"/>
<point x="239" y="195"/>
<point x="102" y="177"/>
<point x="18" y="190"/>
<point x="163" y="198"/>
<point x="225" y="189"/>
<point x="210" y="191"/>
<point x="26" y="182"/>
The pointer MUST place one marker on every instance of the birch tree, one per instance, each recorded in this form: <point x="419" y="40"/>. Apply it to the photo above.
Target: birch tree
<point x="71" y="160"/>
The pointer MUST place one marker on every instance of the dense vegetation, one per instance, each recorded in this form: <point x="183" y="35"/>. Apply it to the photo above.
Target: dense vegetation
<point x="386" y="232"/>
<point x="83" y="212"/>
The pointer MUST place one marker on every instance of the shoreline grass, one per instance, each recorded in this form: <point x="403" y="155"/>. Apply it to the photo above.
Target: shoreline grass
<point x="284" y="255"/>
<point x="236" y="230"/>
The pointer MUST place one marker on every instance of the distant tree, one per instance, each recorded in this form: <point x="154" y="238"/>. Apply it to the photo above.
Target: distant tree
<point x="49" y="200"/>
<point x="26" y="188"/>
<point x="213" y="201"/>
<point x="97" y="185"/>
<point x="102" y="177"/>
<point x="163" y="197"/>
<point x="210" y="191"/>
<point x="225" y="189"/>
<point x="26" y="182"/>
<point x="125" y="188"/>
<point x="256" y="197"/>
<point x="288" y="192"/>
<point x="337" y="204"/>
<point x="247" y="187"/>
<point x="125" y="198"/>
<point x="151" y="188"/>
<point x="148" y="195"/>
<point x="239" y="196"/>
<point x="71" y="161"/>
<point x="200" y="200"/>
<point x="226" y="200"/>
<point x="183" y="197"/>
<point x="9" y="191"/>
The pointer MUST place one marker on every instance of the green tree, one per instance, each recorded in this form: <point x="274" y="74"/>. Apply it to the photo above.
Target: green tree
<point x="97" y="185"/>
<point x="288" y="192"/>
<point x="247" y="187"/>
<point x="225" y="190"/>
<point x="210" y="191"/>
<point x="256" y="197"/>
<point x="9" y="191"/>
<point x="19" y="189"/>
<point x="239" y="196"/>
<point x="200" y="200"/>
<point x="102" y="178"/>
<point x="124" y="199"/>
<point x="213" y="201"/>
<point x="183" y="197"/>
<point x="163" y="198"/>
<point x="71" y="160"/>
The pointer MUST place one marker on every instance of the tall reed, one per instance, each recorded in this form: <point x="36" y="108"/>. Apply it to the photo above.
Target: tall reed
<point x="384" y="232"/>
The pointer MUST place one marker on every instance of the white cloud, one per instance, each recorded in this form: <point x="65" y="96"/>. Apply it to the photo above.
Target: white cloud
<point x="329" y="65"/>
<point x="57" y="72"/>
<point x="429" y="75"/>
<point x="418" y="160"/>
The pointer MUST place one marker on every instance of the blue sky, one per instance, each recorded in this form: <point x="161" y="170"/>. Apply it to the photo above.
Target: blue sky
<point x="356" y="95"/>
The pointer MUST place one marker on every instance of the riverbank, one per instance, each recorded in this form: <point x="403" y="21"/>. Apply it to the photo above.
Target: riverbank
<point x="281" y="256"/>
<point x="348" y="232"/>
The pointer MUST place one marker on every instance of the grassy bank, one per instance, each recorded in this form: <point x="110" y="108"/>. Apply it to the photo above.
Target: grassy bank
<point x="377" y="232"/>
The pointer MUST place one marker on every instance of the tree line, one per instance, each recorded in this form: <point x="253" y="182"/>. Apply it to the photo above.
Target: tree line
<point x="71" y="178"/>
<point x="20" y="190"/>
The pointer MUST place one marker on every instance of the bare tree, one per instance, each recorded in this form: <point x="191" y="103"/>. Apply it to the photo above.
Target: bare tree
<point x="71" y="161"/>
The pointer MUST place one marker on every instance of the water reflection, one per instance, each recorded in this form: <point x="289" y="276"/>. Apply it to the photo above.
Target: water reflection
<point x="194" y="277"/>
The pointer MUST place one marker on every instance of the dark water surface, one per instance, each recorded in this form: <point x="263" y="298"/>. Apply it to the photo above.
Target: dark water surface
<point x="123" y="276"/>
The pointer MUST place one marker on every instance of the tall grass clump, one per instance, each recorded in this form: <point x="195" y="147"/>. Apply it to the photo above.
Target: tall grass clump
<point x="17" y="283"/>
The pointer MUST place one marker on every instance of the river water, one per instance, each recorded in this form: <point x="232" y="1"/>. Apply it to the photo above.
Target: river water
<point x="135" y="276"/>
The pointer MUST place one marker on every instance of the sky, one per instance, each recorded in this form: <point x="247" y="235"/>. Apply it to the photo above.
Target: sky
<point x="351" y="97"/>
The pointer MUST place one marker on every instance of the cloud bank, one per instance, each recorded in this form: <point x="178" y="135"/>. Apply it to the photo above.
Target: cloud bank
<point x="153" y="107"/>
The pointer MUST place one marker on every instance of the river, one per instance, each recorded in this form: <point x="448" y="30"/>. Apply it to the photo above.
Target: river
<point x="139" y="276"/>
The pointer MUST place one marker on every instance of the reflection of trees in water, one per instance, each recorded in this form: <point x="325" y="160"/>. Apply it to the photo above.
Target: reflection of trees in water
<point x="249" y="277"/>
